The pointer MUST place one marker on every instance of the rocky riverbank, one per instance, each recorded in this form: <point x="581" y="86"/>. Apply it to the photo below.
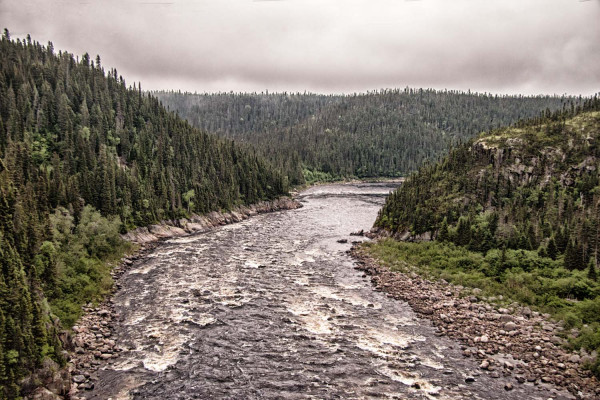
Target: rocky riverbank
<point x="91" y="341"/>
<point x="515" y="343"/>
<point x="202" y="223"/>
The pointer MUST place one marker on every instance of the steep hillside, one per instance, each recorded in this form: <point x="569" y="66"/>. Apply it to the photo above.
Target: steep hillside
<point x="83" y="158"/>
<point x="536" y="177"/>
<point x="516" y="212"/>
<point x="385" y="133"/>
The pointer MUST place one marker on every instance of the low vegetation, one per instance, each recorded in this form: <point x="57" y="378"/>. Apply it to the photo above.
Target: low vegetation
<point x="79" y="260"/>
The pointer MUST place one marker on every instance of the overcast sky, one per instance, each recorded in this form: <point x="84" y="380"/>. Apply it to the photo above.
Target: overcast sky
<point x="328" y="46"/>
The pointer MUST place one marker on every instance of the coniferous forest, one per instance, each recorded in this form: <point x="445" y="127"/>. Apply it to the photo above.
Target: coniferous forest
<point x="381" y="133"/>
<point x="83" y="158"/>
<point x="514" y="212"/>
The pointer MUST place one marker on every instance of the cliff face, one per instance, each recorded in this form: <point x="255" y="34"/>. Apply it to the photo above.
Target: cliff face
<point x="526" y="158"/>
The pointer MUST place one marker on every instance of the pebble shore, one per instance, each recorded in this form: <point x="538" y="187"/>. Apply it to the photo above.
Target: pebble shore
<point x="513" y="342"/>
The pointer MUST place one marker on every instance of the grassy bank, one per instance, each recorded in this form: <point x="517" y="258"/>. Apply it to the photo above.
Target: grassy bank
<point x="506" y="276"/>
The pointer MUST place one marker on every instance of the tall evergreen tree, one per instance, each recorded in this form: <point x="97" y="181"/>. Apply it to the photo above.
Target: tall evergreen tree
<point x="592" y="273"/>
<point x="551" y="249"/>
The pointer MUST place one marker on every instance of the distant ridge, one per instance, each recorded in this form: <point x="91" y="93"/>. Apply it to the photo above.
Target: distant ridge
<point x="379" y="133"/>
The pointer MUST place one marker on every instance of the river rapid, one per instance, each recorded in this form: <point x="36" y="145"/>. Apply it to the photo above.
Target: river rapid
<point x="272" y="307"/>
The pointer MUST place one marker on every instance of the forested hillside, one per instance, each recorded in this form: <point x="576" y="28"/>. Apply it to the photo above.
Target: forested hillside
<point x="382" y="133"/>
<point x="82" y="158"/>
<point x="517" y="212"/>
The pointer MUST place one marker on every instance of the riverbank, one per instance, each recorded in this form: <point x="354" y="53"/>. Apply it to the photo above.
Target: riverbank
<point x="515" y="343"/>
<point x="203" y="223"/>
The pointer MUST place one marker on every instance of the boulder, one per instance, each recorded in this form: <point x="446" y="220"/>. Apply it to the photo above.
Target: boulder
<point x="44" y="394"/>
<point x="510" y="326"/>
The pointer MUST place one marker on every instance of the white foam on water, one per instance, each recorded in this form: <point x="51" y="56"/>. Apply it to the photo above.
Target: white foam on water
<point x="431" y="363"/>
<point x="314" y="252"/>
<point x="301" y="258"/>
<point x="312" y="320"/>
<point x="385" y="343"/>
<point x="136" y="319"/>
<point x="351" y="287"/>
<point x="410" y="379"/>
<point x="302" y="281"/>
<point x="159" y="357"/>
<point x="202" y="320"/>
<point x="144" y="269"/>
<point x="161" y="360"/>
<point x="166" y="252"/>
<point x="251" y="264"/>
<point x="185" y="239"/>
<point x="325" y="291"/>
<point x="125" y="365"/>
<point x="399" y="321"/>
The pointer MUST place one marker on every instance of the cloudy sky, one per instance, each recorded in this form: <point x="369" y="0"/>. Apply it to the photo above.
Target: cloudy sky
<point x="328" y="46"/>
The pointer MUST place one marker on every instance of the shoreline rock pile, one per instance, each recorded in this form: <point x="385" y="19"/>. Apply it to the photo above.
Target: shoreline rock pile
<point x="202" y="223"/>
<point x="506" y="342"/>
<point x="91" y="342"/>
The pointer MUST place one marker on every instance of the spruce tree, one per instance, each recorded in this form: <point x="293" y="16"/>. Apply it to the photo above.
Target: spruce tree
<point x="444" y="234"/>
<point x="581" y="258"/>
<point x="551" y="249"/>
<point x="592" y="273"/>
<point x="570" y="260"/>
<point x="463" y="232"/>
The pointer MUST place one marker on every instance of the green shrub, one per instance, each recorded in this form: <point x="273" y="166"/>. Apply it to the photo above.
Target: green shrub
<point x="83" y="256"/>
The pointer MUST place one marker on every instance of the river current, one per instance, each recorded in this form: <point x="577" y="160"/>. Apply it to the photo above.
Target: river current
<point x="272" y="308"/>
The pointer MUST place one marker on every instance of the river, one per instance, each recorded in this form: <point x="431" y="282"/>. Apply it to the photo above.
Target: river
<point x="272" y="308"/>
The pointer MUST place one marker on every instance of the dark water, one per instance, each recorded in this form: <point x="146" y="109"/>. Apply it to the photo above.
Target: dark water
<point x="272" y="308"/>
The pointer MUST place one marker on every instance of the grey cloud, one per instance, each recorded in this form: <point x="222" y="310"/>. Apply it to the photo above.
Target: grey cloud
<point x="538" y="46"/>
